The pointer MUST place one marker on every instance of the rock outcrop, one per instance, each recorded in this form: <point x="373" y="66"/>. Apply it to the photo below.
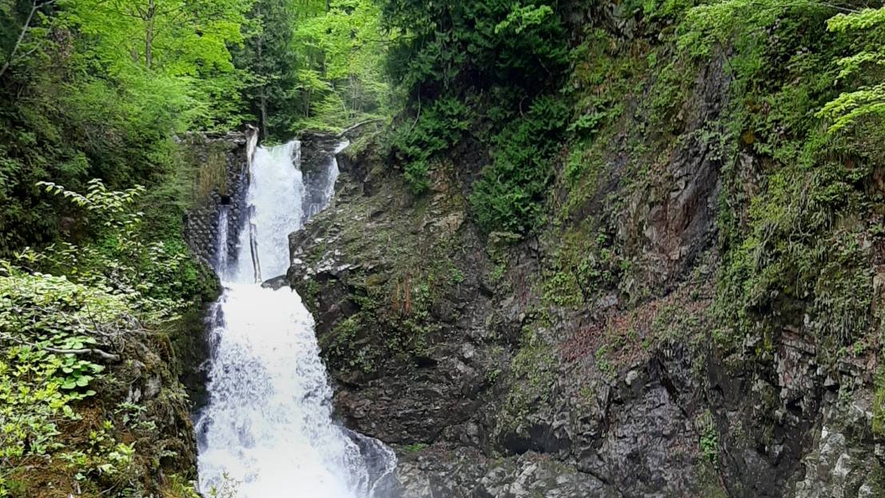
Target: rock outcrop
<point x="220" y="165"/>
<point x="676" y="328"/>
<point x="447" y="345"/>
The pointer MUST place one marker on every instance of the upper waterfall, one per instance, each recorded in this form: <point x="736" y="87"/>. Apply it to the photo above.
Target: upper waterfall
<point x="274" y="200"/>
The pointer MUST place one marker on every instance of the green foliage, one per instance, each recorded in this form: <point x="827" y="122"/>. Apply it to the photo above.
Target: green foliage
<point x="66" y="314"/>
<point x="524" y="17"/>
<point x="863" y="68"/>
<point x="510" y="192"/>
<point x="477" y="43"/>
<point x="714" y="25"/>
<point x="153" y="276"/>
<point x="181" y="488"/>
<point x="96" y="90"/>
<point x="585" y="264"/>
<point x="793" y="245"/>
<point x="343" y="344"/>
<point x="533" y="373"/>
<point x="267" y="56"/>
<point x="414" y="448"/>
<point x="349" y="41"/>
<point x="503" y="59"/>
<point x="709" y="438"/>
<point x="879" y="404"/>
<point x="166" y="48"/>
<point x="326" y="73"/>
<point x="435" y="130"/>
<point x="51" y="331"/>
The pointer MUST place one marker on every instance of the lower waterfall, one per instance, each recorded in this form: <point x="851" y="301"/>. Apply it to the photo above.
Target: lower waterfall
<point x="267" y="430"/>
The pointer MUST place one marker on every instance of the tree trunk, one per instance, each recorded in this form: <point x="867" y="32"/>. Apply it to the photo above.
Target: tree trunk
<point x="262" y="105"/>
<point x="149" y="34"/>
<point x="263" y="112"/>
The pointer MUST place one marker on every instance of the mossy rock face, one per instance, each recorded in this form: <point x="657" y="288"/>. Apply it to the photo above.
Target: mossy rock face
<point x="438" y="338"/>
<point x="394" y="299"/>
<point x="140" y="405"/>
<point x="214" y="172"/>
<point x="698" y="316"/>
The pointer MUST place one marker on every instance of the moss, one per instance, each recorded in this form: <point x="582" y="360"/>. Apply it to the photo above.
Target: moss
<point x="533" y="372"/>
<point x="876" y="480"/>
<point x="346" y="348"/>
<point x="795" y="203"/>
<point x="201" y="168"/>
<point x="587" y="262"/>
<point x="879" y="404"/>
<point x="405" y="269"/>
<point x="795" y="260"/>
<point x="309" y="290"/>
<point x="414" y="448"/>
<point x="710" y="481"/>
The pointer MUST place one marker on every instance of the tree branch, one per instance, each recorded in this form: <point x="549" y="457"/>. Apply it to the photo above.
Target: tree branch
<point x="21" y="36"/>
<point x="97" y="352"/>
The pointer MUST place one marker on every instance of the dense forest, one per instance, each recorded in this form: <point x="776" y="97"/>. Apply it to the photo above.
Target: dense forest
<point x="557" y="119"/>
<point x="96" y="96"/>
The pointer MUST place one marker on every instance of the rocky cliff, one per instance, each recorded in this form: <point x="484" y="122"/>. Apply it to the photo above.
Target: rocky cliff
<point x="220" y="168"/>
<point x="624" y="349"/>
<point x="442" y="344"/>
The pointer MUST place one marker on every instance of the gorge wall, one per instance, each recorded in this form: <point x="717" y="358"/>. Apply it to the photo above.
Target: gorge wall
<point x="444" y="345"/>
<point x="221" y="179"/>
<point x="674" y="329"/>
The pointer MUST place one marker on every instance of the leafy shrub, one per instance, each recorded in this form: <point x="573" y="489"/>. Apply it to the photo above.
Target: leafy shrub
<point x="154" y="276"/>
<point x="54" y="334"/>
<point x="510" y="192"/>
<point x="475" y="43"/>
<point x="435" y="130"/>
<point x="488" y="67"/>
<point x="68" y="312"/>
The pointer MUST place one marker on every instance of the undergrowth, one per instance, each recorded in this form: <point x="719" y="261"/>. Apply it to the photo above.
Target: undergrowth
<point x="74" y="322"/>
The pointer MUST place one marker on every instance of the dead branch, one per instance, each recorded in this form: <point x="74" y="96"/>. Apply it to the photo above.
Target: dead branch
<point x="35" y="6"/>
<point x="86" y="351"/>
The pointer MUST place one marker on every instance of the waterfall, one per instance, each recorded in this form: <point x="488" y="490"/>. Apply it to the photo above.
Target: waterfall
<point x="268" y="424"/>
<point x="274" y="204"/>
<point x="221" y="263"/>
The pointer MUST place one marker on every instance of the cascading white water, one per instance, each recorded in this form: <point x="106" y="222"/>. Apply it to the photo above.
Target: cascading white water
<point x="221" y="263"/>
<point x="268" y="424"/>
<point x="274" y="199"/>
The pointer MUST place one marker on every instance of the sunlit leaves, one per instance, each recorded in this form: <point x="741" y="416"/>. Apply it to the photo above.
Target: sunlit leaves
<point x="342" y="55"/>
<point x="864" y="19"/>
<point x="520" y="18"/>
<point x="171" y="56"/>
<point x="867" y="99"/>
<point x="849" y="107"/>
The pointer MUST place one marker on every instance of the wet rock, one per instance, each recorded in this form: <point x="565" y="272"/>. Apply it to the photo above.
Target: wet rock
<point x="440" y="336"/>
<point x="839" y="464"/>
<point x="220" y="159"/>
<point x="464" y="473"/>
<point x="276" y="283"/>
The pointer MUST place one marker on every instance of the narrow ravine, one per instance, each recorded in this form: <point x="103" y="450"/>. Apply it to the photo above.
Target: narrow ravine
<point x="268" y="428"/>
